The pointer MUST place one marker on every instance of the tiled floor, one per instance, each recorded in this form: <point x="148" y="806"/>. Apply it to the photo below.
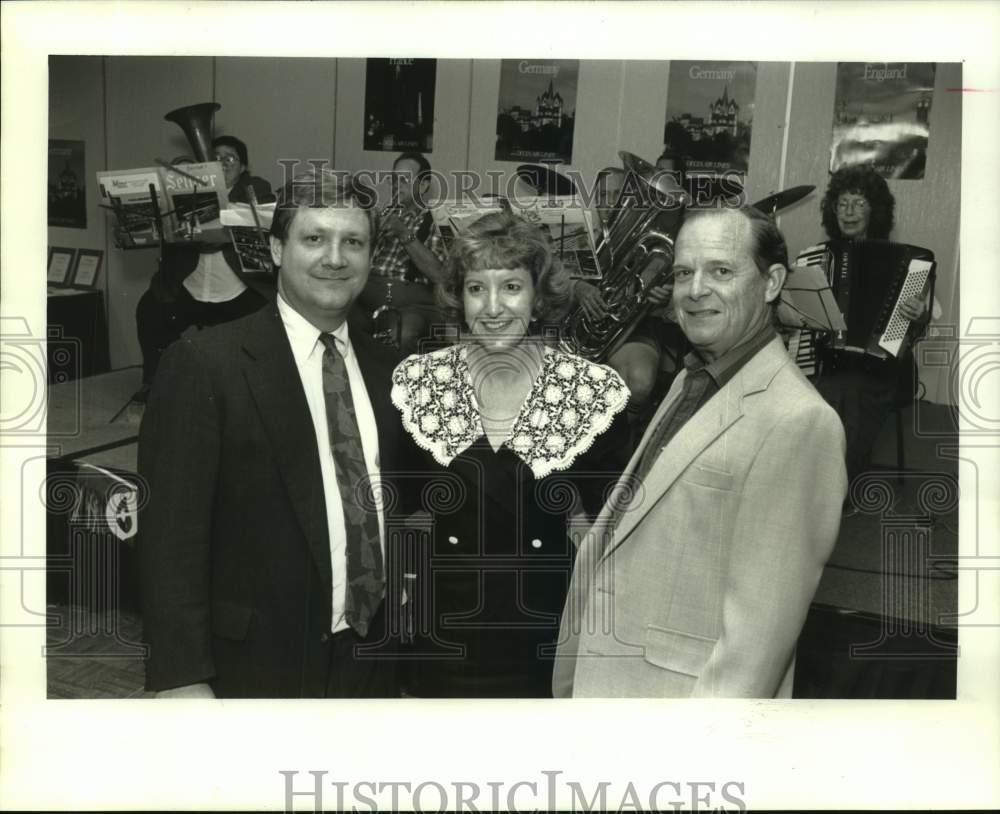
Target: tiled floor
<point x="94" y="655"/>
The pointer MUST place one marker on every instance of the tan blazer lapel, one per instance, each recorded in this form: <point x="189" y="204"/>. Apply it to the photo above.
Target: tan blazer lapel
<point x="595" y="540"/>
<point x="723" y="410"/>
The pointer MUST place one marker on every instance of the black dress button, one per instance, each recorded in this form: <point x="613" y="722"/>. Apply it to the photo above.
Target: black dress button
<point x="324" y="638"/>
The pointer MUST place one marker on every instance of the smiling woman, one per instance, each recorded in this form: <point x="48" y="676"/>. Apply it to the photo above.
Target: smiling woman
<point x="519" y="435"/>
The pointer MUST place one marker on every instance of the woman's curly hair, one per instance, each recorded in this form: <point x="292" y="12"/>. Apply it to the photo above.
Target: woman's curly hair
<point x="859" y="180"/>
<point x="503" y="240"/>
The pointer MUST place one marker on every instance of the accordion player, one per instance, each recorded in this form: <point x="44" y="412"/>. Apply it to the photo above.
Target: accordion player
<point x="871" y="279"/>
<point x="866" y="368"/>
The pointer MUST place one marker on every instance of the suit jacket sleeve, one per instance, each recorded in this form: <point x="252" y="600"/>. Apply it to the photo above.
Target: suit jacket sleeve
<point x="179" y="445"/>
<point x="785" y="530"/>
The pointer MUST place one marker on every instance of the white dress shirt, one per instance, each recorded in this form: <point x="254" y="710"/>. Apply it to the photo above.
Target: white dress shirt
<point x="308" y="352"/>
<point x="213" y="280"/>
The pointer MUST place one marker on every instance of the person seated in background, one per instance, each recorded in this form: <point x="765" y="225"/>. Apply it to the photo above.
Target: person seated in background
<point x="199" y="283"/>
<point x="862" y="388"/>
<point x="407" y="255"/>
<point x="607" y="186"/>
<point x="231" y="152"/>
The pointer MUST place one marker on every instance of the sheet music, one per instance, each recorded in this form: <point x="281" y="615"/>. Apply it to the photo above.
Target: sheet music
<point x="253" y="248"/>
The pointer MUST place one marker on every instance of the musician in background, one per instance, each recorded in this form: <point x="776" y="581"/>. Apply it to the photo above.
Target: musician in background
<point x="640" y="358"/>
<point x="862" y="388"/>
<point x="231" y="152"/>
<point x="201" y="284"/>
<point x="408" y="254"/>
<point x="607" y="186"/>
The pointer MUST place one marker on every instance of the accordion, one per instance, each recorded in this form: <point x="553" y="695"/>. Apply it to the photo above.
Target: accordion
<point x="870" y="280"/>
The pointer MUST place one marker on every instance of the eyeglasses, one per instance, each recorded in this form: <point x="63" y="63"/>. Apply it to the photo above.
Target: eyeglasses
<point x="229" y="160"/>
<point x="845" y="205"/>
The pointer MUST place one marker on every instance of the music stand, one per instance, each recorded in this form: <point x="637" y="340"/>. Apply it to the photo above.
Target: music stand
<point x="807" y="301"/>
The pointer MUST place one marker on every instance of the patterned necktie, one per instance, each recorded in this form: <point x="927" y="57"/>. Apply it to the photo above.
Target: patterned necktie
<point x="692" y="390"/>
<point x="365" y="575"/>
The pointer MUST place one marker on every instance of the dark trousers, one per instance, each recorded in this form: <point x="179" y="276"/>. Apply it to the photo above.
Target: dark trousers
<point x="355" y="673"/>
<point x="863" y="392"/>
<point x="160" y="323"/>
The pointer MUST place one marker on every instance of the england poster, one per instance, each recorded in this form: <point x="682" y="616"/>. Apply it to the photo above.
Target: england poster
<point x="67" y="186"/>
<point x="399" y="104"/>
<point x="536" y="110"/>
<point x="709" y="119"/>
<point x="881" y="117"/>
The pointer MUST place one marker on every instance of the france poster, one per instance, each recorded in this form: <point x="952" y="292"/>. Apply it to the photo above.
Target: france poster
<point x="399" y="104"/>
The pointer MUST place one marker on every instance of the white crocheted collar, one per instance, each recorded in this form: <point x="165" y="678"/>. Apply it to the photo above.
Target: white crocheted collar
<point x="571" y="402"/>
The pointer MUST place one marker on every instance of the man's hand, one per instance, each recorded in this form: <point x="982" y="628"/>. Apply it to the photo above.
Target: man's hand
<point x="913" y="308"/>
<point x="188" y="691"/>
<point x="659" y="295"/>
<point x="590" y="300"/>
<point x="396" y="227"/>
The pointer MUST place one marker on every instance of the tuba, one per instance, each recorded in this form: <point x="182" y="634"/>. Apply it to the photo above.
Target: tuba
<point x="196" y="122"/>
<point x="634" y="254"/>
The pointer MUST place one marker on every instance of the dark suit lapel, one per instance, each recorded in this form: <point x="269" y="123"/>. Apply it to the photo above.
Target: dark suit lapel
<point x="277" y="391"/>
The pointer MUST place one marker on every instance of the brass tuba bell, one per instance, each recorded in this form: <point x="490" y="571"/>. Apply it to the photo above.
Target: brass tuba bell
<point x="634" y="254"/>
<point x="196" y="122"/>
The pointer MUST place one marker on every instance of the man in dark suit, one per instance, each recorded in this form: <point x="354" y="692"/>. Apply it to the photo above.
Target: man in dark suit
<point x="261" y="558"/>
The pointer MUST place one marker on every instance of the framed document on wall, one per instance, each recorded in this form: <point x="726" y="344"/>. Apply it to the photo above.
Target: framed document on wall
<point x="88" y="265"/>
<point x="60" y="265"/>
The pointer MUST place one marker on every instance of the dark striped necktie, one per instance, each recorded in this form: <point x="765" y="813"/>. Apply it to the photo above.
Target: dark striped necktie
<point x="365" y="574"/>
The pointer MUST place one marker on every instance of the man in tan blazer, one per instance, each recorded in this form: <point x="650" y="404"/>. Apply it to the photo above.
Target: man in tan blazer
<point x="697" y="577"/>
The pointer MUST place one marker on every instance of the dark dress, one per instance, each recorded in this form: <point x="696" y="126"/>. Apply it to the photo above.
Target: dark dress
<point x="492" y="573"/>
<point x="862" y="388"/>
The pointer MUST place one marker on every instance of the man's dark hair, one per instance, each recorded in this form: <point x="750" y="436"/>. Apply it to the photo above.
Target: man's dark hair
<point x="859" y="180"/>
<point x="236" y="144"/>
<point x="319" y="189"/>
<point x="422" y="163"/>
<point x="769" y="245"/>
